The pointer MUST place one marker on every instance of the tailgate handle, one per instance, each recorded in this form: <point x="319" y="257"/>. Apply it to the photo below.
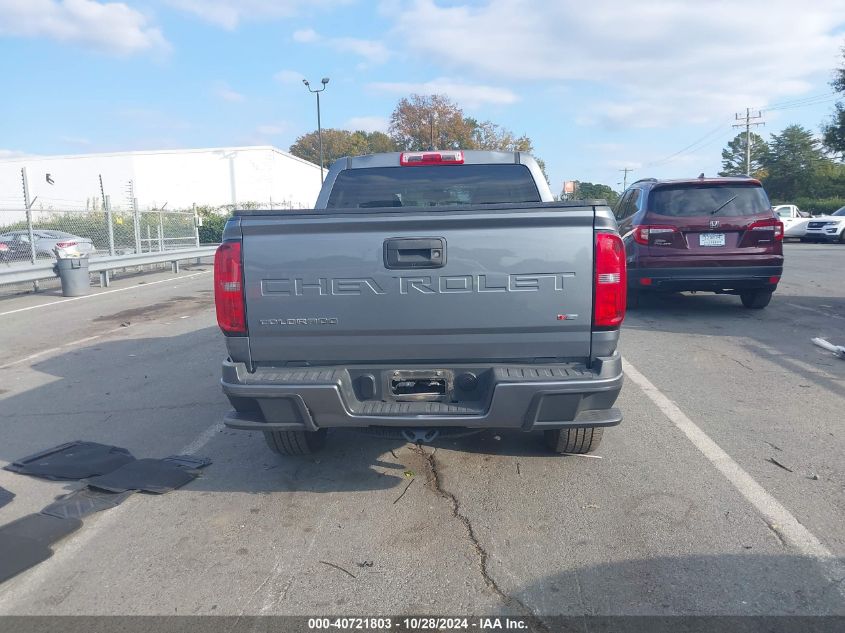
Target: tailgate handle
<point x="414" y="252"/>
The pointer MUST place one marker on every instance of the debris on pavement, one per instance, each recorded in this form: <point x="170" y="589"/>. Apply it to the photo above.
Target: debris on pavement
<point x="777" y="448"/>
<point x="395" y="501"/>
<point x="348" y="573"/>
<point x="73" y="460"/>
<point x="148" y="475"/>
<point x="583" y="455"/>
<point x="836" y="350"/>
<point x="813" y="476"/>
<point x="191" y="462"/>
<point x="18" y="553"/>
<point x="408" y="474"/>
<point x="366" y="563"/>
<point x="5" y="496"/>
<point x="772" y="460"/>
<point x="80" y="503"/>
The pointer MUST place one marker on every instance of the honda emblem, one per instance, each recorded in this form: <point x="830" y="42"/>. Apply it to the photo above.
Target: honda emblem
<point x="714" y="224"/>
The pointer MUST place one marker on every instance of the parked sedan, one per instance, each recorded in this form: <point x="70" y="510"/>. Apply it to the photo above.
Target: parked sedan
<point x="14" y="245"/>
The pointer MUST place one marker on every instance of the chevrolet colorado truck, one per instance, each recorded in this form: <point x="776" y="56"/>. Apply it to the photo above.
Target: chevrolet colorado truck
<point x="427" y="293"/>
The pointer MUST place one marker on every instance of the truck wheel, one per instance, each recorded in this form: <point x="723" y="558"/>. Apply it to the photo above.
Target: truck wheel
<point x="295" y="442"/>
<point x="578" y="441"/>
<point x="756" y="299"/>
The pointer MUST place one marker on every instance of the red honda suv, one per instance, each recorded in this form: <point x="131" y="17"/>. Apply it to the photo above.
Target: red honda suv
<point x="707" y="234"/>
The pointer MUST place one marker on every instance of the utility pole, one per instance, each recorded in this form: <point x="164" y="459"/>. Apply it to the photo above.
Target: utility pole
<point x="748" y="122"/>
<point x="625" y="173"/>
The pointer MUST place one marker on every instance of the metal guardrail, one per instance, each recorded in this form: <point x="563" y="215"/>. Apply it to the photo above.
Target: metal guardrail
<point x="104" y="265"/>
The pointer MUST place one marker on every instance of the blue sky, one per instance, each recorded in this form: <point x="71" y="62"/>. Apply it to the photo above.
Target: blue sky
<point x="649" y="85"/>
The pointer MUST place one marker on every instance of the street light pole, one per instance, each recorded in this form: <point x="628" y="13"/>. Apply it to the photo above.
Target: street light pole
<point x="324" y="81"/>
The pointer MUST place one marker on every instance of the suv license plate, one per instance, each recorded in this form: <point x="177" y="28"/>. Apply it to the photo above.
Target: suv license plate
<point x="711" y="239"/>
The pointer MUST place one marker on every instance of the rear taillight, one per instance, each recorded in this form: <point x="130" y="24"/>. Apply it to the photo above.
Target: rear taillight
<point x="65" y="244"/>
<point x="4" y="246"/>
<point x="229" y="288"/>
<point x="771" y="224"/>
<point x="411" y="159"/>
<point x="611" y="281"/>
<point x="645" y="234"/>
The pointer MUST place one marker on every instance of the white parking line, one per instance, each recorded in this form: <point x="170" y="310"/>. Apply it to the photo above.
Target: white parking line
<point x="44" y="352"/>
<point x="773" y="512"/>
<point x="100" y="294"/>
<point x="75" y="544"/>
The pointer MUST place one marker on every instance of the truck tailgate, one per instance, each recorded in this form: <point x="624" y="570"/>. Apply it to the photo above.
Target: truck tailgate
<point x="329" y="287"/>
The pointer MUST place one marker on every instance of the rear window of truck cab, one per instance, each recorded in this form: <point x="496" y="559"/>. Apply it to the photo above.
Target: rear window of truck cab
<point x="433" y="185"/>
<point x="706" y="199"/>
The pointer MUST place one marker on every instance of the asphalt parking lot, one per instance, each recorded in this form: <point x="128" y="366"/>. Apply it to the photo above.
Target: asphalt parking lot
<point x="680" y="511"/>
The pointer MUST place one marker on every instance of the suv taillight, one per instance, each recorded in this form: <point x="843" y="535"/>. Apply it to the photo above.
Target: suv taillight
<point x="229" y="288"/>
<point x="611" y="281"/>
<point x="644" y="233"/>
<point x="772" y="224"/>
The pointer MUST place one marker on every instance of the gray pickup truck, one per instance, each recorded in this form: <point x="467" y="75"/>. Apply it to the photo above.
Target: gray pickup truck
<point x="428" y="293"/>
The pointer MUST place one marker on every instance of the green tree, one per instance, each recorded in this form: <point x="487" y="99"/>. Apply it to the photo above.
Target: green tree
<point x="795" y="164"/>
<point x="734" y="158"/>
<point x="430" y="122"/>
<point x="435" y="122"/>
<point x="339" y="143"/>
<point x="834" y="130"/>
<point x="591" y="191"/>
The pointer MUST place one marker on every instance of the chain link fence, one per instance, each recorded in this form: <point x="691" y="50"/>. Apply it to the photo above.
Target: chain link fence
<point x="28" y="236"/>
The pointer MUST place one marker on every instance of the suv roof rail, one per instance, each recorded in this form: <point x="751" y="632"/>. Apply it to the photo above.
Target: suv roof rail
<point x="644" y="180"/>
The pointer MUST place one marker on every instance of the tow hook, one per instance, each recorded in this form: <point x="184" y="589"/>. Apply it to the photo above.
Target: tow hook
<point x="415" y="436"/>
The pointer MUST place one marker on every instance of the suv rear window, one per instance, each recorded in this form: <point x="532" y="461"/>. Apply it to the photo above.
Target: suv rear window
<point x="690" y="200"/>
<point x="435" y="185"/>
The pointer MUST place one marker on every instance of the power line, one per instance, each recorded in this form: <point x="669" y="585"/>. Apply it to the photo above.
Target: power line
<point x="625" y="172"/>
<point x="695" y="145"/>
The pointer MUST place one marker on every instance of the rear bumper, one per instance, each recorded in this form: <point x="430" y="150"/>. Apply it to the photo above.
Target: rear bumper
<point x="527" y="397"/>
<point x="713" y="278"/>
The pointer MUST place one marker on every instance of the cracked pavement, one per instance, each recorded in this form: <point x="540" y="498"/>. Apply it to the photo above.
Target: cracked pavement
<point x="484" y="524"/>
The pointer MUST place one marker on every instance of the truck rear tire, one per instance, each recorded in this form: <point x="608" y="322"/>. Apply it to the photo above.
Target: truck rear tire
<point x="756" y="299"/>
<point x="295" y="442"/>
<point x="576" y="441"/>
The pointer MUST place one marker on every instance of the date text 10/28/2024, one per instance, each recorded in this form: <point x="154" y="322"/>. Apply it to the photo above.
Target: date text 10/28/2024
<point x="418" y="624"/>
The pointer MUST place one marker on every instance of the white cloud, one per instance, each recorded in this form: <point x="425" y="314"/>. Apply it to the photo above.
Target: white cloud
<point x="12" y="153"/>
<point x="305" y="35"/>
<point x="271" y="129"/>
<point x="223" y="91"/>
<point x="76" y="140"/>
<point x="373" y="51"/>
<point x="288" y="77"/>
<point x="230" y="13"/>
<point x="109" y="27"/>
<point x="469" y="95"/>
<point x="367" y="124"/>
<point x="666" y="61"/>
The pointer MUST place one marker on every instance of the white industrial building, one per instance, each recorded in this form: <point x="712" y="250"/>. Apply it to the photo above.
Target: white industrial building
<point x="178" y="178"/>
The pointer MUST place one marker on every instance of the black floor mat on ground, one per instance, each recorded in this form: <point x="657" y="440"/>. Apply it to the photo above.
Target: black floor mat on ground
<point x="18" y="553"/>
<point x="188" y="461"/>
<point x="40" y="528"/>
<point x="74" y="460"/>
<point x="5" y="496"/>
<point x="81" y="503"/>
<point x="147" y="475"/>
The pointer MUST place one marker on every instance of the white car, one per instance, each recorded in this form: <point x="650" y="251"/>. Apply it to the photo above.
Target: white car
<point x="827" y="228"/>
<point x="794" y="220"/>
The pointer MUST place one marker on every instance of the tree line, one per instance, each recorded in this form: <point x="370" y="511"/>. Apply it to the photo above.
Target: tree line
<point x="418" y="123"/>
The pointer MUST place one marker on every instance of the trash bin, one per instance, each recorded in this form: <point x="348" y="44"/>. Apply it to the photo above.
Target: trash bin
<point x="73" y="271"/>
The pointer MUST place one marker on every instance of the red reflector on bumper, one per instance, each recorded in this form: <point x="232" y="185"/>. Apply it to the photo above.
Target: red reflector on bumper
<point x="774" y="279"/>
<point x="645" y="281"/>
